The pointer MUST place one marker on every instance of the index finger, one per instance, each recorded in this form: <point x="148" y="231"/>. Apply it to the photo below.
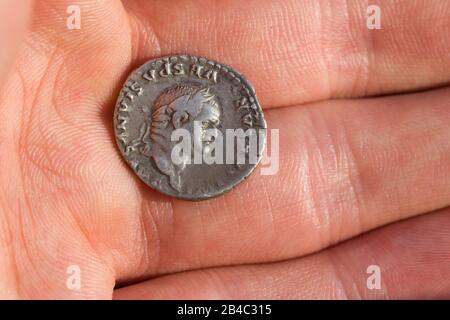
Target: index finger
<point x="301" y="51"/>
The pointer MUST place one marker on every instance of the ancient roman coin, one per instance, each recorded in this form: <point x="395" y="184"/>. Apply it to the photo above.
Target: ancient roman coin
<point x="189" y="127"/>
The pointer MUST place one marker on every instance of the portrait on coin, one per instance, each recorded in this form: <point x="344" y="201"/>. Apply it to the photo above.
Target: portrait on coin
<point x="180" y="107"/>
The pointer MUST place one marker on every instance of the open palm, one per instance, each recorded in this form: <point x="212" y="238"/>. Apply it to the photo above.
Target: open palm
<point x="69" y="202"/>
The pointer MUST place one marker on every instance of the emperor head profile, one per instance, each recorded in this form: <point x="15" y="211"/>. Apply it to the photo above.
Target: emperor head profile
<point x="181" y="107"/>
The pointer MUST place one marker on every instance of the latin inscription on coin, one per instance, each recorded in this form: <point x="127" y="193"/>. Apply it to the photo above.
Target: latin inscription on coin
<point x="189" y="127"/>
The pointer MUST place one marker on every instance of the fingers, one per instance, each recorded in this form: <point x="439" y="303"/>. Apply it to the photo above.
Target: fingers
<point x="74" y="25"/>
<point x="407" y="260"/>
<point x="84" y="43"/>
<point x="301" y="51"/>
<point x="345" y="167"/>
<point x="14" y="18"/>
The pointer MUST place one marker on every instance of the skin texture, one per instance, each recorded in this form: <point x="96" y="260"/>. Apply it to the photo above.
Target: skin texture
<point x="363" y="180"/>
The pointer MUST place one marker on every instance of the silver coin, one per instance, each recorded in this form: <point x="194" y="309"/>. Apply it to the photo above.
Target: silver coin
<point x="189" y="127"/>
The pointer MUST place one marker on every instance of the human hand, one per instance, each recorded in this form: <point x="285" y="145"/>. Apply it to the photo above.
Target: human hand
<point x="347" y="166"/>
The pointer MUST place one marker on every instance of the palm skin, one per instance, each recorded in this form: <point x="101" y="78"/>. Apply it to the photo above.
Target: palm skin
<point x="347" y="166"/>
